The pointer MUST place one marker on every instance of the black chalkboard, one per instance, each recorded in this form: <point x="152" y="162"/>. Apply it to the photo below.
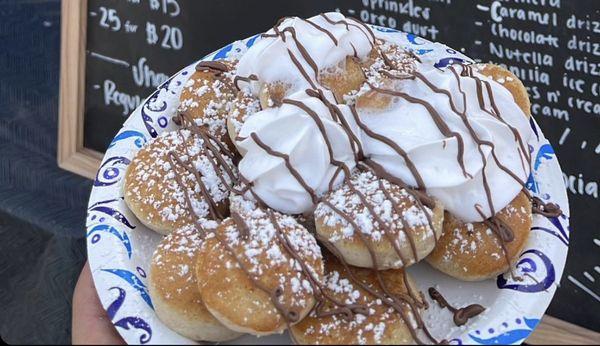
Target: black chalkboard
<point x="552" y="45"/>
<point x="168" y="35"/>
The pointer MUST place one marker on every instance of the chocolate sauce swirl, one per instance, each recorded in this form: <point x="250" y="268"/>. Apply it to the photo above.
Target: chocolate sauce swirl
<point x="462" y="315"/>
<point x="215" y="67"/>
<point x="546" y="209"/>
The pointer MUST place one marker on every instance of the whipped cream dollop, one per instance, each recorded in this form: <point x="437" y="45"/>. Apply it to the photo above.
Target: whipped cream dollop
<point x="429" y="117"/>
<point x="288" y="151"/>
<point x="316" y="43"/>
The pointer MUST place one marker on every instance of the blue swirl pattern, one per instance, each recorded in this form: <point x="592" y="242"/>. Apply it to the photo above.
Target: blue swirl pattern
<point x="223" y="52"/>
<point x="511" y="336"/>
<point x="534" y="128"/>
<point x="412" y="38"/>
<point x="563" y="234"/>
<point x="528" y="267"/>
<point x="101" y="207"/>
<point x="110" y="171"/>
<point x="449" y="61"/>
<point x="384" y="29"/>
<point x="253" y="40"/>
<point x="136" y="323"/>
<point x="114" y="307"/>
<point x="146" y="118"/>
<point x="150" y="106"/>
<point x="134" y="281"/>
<point x="122" y="236"/>
<point x="128" y="322"/>
<point x="546" y="152"/>
<point x="139" y="141"/>
<point x="422" y="51"/>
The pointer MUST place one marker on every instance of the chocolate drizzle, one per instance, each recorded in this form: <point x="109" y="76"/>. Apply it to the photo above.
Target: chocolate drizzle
<point x="411" y="166"/>
<point x="336" y="115"/>
<point x="323" y="30"/>
<point x="288" y="164"/>
<point x="462" y="315"/>
<point x="502" y="230"/>
<point x="398" y="303"/>
<point x="545" y="209"/>
<point x="346" y="310"/>
<point x="435" y="116"/>
<point x="411" y="301"/>
<point x="387" y="228"/>
<point x="249" y="79"/>
<point x="406" y="305"/>
<point x="215" y="67"/>
<point x="290" y="316"/>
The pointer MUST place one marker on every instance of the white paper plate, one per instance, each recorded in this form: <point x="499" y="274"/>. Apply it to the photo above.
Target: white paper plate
<point x="120" y="247"/>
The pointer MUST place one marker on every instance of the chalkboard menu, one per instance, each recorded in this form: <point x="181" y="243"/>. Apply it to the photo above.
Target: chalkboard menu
<point x="552" y="45"/>
<point x="134" y="45"/>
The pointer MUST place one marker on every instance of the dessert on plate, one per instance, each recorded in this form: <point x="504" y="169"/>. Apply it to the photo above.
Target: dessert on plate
<point x="309" y="172"/>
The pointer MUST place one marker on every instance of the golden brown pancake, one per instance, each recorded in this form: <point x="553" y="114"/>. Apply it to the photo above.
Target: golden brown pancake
<point x="510" y="82"/>
<point x="384" y="213"/>
<point x="154" y="194"/>
<point x="244" y="265"/>
<point x="174" y="290"/>
<point x="343" y="79"/>
<point x="244" y="106"/>
<point x="382" y="325"/>
<point x="207" y="98"/>
<point x="473" y="252"/>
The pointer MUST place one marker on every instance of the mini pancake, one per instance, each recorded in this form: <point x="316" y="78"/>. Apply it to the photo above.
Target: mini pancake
<point x="243" y="268"/>
<point x="386" y="59"/>
<point x="174" y="291"/>
<point x="152" y="187"/>
<point x="207" y="97"/>
<point x="473" y="252"/>
<point x="343" y="79"/>
<point x="382" y="325"/>
<point x="387" y="63"/>
<point x="373" y="100"/>
<point x="244" y="106"/>
<point x="384" y="214"/>
<point x="272" y="94"/>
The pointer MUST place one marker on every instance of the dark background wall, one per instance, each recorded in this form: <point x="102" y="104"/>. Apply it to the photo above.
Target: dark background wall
<point x="42" y="208"/>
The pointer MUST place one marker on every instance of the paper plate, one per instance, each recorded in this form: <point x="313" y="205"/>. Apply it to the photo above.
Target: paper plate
<point x="120" y="247"/>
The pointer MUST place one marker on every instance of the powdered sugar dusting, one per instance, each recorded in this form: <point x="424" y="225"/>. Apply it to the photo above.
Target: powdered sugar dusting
<point x="152" y="181"/>
<point x="174" y="260"/>
<point x="350" y="203"/>
<point x="376" y="69"/>
<point x="265" y="256"/>
<point x="375" y="327"/>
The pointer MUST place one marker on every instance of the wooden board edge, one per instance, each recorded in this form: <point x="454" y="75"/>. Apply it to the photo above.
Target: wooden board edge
<point x="70" y="153"/>
<point x="84" y="163"/>
<point x="553" y="331"/>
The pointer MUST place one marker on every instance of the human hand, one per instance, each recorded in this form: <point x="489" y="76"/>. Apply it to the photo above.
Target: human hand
<point x="90" y="324"/>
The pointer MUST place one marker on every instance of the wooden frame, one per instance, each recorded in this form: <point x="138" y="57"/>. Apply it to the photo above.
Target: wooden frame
<point x="72" y="156"/>
<point x="553" y="331"/>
